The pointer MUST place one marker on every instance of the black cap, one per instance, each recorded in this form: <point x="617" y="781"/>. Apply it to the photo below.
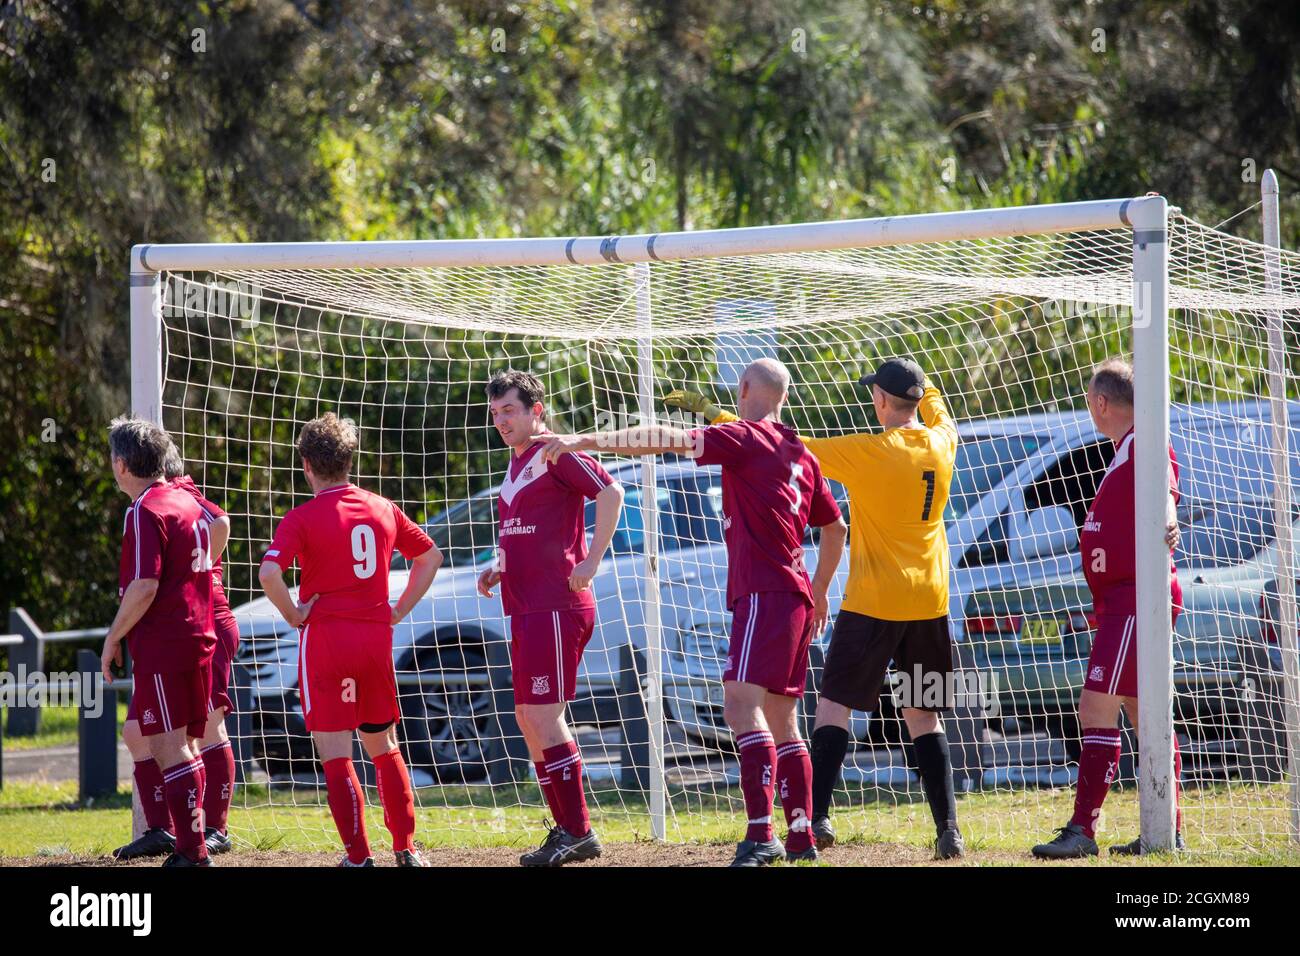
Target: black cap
<point x="899" y="377"/>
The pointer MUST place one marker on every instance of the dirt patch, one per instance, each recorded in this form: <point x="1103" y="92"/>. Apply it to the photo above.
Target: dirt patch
<point x="641" y="854"/>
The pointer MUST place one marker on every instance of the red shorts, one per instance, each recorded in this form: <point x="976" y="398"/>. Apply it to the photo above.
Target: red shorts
<point x="227" y="645"/>
<point x="345" y="674"/>
<point x="545" y="649"/>
<point x="770" y="634"/>
<point x="1112" y="663"/>
<point x="161" y="703"/>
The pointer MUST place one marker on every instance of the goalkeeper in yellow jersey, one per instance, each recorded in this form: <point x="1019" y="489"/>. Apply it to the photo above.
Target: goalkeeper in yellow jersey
<point x="896" y="603"/>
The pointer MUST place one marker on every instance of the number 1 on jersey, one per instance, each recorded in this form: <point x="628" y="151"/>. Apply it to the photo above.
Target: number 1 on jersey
<point x="928" y="478"/>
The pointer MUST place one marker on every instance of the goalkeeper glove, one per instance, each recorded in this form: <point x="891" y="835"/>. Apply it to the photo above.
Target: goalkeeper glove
<point x="693" y="402"/>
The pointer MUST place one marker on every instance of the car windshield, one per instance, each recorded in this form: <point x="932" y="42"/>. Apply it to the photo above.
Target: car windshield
<point x="1223" y="533"/>
<point x="982" y="462"/>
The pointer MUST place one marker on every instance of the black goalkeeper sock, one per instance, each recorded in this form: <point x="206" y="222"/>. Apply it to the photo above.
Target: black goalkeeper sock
<point x="935" y="765"/>
<point x="829" y="745"/>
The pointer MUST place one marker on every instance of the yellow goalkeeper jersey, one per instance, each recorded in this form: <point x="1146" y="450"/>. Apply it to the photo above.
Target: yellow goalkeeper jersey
<point x="898" y="483"/>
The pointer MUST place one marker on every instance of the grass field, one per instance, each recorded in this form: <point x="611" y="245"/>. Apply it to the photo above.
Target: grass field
<point x="43" y="824"/>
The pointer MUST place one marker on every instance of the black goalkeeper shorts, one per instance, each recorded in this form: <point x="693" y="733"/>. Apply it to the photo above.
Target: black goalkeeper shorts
<point x="860" y="653"/>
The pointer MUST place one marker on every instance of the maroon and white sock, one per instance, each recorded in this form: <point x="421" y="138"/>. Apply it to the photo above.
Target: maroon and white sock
<point x="794" y="784"/>
<point x="219" y="785"/>
<point x="1098" y="765"/>
<point x="347" y="806"/>
<point x="548" y="791"/>
<point x="153" y="794"/>
<point x="563" y="764"/>
<point x="183" y="785"/>
<point x="396" y="797"/>
<point x="757" y="766"/>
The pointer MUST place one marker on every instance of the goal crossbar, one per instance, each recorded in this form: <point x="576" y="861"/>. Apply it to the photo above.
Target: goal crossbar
<point x="1141" y="213"/>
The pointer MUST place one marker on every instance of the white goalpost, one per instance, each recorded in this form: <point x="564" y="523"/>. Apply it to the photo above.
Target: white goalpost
<point x="234" y="346"/>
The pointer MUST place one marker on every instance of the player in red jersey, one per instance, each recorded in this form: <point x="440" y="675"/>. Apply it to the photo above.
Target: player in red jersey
<point x="343" y="540"/>
<point x="1109" y="557"/>
<point x="165" y="580"/>
<point x="772" y="491"/>
<point x="214" y="747"/>
<point x="545" y="569"/>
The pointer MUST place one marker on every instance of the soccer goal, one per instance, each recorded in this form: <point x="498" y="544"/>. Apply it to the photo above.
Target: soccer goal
<point x="235" y="346"/>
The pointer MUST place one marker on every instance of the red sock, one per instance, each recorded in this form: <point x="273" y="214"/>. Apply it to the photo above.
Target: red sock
<point x="153" y="796"/>
<point x="548" y="791"/>
<point x="1178" y="787"/>
<point x="343" y="791"/>
<point x="396" y="797"/>
<point x="219" y="782"/>
<point x="757" y="761"/>
<point x="794" y="782"/>
<point x="183" y="785"/>
<point x="564" y="767"/>
<point x="1098" y="764"/>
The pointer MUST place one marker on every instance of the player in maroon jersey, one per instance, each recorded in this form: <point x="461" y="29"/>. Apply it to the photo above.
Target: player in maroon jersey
<point x="545" y="569"/>
<point x="165" y="581"/>
<point x="772" y="491"/>
<point x="1109" y="554"/>
<point x="343" y="541"/>
<point x="214" y="747"/>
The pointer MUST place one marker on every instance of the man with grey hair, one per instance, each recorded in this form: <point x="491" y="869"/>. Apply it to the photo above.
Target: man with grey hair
<point x="1108" y="547"/>
<point x="165" y="618"/>
<point x="772" y="491"/>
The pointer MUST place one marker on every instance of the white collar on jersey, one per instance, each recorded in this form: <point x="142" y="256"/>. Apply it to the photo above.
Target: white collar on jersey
<point x="535" y="468"/>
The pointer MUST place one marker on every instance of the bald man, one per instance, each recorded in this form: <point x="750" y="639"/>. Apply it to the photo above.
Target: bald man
<point x="896" y="602"/>
<point x="772" y="491"/>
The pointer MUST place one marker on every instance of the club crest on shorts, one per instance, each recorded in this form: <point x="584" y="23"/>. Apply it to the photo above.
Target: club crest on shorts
<point x="147" y="717"/>
<point x="1097" y="673"/>
<point x="542" y="685"/>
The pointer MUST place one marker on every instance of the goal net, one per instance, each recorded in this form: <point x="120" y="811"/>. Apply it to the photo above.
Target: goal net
<point x="1009" y="328"/>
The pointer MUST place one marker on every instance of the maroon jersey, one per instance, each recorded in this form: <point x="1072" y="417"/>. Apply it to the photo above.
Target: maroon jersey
<point x="1107" y="543"/>
<point x="541" y="536"/>
<point x="772" y="489"/>
<point x="343" y="540"/>
<point x="211" y="512"/>
<point x="166" y="539"/>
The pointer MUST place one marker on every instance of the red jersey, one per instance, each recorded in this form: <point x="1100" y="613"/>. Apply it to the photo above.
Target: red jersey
<point x="541" y="536"/>
<point x="772" y="490"/>
<point x="343" y="540"/>
<point x="1107" y="543"/>
<point x="211" y="512"/>
<point x="166" y="539"/>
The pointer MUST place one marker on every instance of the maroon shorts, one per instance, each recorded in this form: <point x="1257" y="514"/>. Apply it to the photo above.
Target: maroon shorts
<point x="345" y="674"/>
<point x="770" y="634"/>
<point x="1112" y="663"/>
<point x="545" y="649"/>
<point x="161" y="703"/>
<point x="227" y="645"/>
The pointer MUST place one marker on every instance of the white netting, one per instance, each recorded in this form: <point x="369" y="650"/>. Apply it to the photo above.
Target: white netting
<point x="1008" y="328"/>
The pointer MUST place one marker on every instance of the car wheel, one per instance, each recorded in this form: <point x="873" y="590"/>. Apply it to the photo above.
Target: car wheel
<point x="445" y="727"/>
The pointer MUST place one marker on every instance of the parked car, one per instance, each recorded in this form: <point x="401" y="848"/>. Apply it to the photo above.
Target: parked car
<point x="449" y="637"/>
<point x="1020" y="492"/>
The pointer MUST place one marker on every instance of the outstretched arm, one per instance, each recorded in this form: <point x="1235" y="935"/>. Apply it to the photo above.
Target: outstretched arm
<point x="638" y="440"/>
